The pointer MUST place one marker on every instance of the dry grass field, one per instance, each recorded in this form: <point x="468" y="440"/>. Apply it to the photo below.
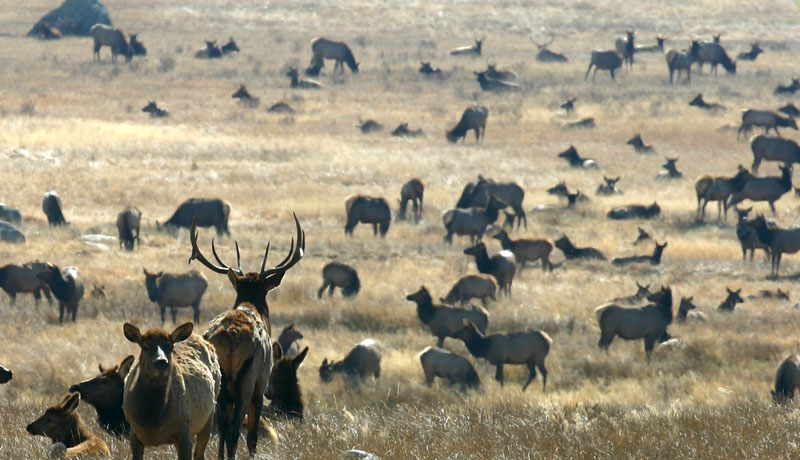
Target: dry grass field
<point x="73" y="125"/>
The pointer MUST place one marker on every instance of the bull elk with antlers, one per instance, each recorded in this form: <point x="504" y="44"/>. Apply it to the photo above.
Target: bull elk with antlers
<point x="545" y="55"/>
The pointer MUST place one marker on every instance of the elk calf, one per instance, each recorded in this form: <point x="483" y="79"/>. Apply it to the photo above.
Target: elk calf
<point x="283" y="388"/>
<point x="63" y="424"/>
<point x="412" y="191"/>
<point x="336" y="274"/>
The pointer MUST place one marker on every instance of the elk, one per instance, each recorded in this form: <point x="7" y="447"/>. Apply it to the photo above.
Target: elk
<point x="283" y="389"/>
<point x="362" y="361"/>
<point x="787" y="379"/>
<point x="670" y="169"/>
<point x="155" y="111"/>
<point x="9" y="214"/>
<point x="528" y="347"/>
<point x="15" y="279"/>
<point x="773" y="149"/>
<point x="494" y="74"/>
<point x="714" y="54"/>
<point x="788" y="89"/>
<point x="545" y="55"/>
<point x="685" y="311"/>
<point x="568" y="105"/>
<point x="472" y="286"/>
<point x="573" y="252"/>
<point x="634" y="211"/>
<point x="474" y="50"/>
<point x="323" y="48"/>
<point x="769" y="189"/>
<point x="336" y="274"/>
<point x="609" y="187"/>
<point x="576" y="161"/>
<point x="210" y="212"/>
<point x="779" y="241"/>
<point x="137" y="47"/>
<point x="625" y="47"/>
<point x="476" y="194"/>
<point x="501" y="266"/>
<point x="471" y="221"/>
<point x="128" y="221"/>
<point x="701" y="104"/>
<point x="67" y="288"/>
<point x="733" y="298"/>
<point x="604" y="60"/>
<point x="653" y="259"/>
<point x="473" y="118"/>
<point x="241" y="337"/>
<point x="296" y="82"/>
<point x="643" y="236"/>
<point x="764" y="118"/>
<point x="403" y="131"/>
<point x="657" y="48"/>
<point x="245" y="97"/>
<point x="751" y="55"/>
<point x="437" y="362"/>
<point x="790" y="109"/>
<point x="63" y="424"/>
<point x="367" y="210"/>
<point x="718" y="189"/>
<point x="10" y="234"/>
<point x="288" y="340"/>
<point x="175" y="290"/>
<point x="412" y="191"/>
<point x="280" y="107"/>
<point x="444" y="320"/>
<point x="426" y="69"/>
<point x="525" y="249"/>
<point x="105" y="392"/>
<point x="490" y="84"/>
<point x="229" y="47"/>
<point x="648" y="322"/>
<point x="586" y="123"/>
<point x="170" y="391"/>
<point x="638" y="145"/>
<point x="211" y="51"/>
<point x="51" y="206"/>
<point x="682" y="61"/>
<point x="642" y="291"/>
<point x="104" y="35"/>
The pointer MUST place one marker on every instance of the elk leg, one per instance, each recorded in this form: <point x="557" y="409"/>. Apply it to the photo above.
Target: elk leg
<point x="60" y="312"/>
<point x="587" y="71"/>
<point x="331" y="288"/>
<point x="174" y="311"/>
<point x="543" y="370"/>
<point x="74" y="309"/>
<point x="202" y="439"/>
<point x="36" y="296"/>
<point x="499" y="374"/>
<point x="440" y="341"/>
<point x="137" y="448"/>
<point x="253" y="417"/>
<point x="374" y="229"/>
<point x="184" y="447"/>
<point x="47" y="294"/>
<point x="196" y="308"/>
<point x="13" y="296"/>
<point x="605" y="340"/>
<point x="531" y="375"/>
<point x="322" y="289"/>
<point x="649" y="343"/>
<point x="163" y="310"/>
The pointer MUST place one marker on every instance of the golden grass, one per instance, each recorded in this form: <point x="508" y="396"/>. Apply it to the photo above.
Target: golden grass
<point x="69" y="124"/>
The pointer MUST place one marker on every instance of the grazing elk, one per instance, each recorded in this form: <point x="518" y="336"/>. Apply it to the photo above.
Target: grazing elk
<point x="790" y="109"/>
<point x="545" y="55"/>
<point x="528" y="347"/>
<point x="490" y="84"/>
<point x="670" y="169"/>
<point x="643" y="236"/>
<point x="641" y="294"/>
<point x="369" y="126"/>
<point x="323" y="48"/>
<point x="104" y="392"/>
<point x="501" y="266"/>
<point x="648" y="322"/>
<point x="128" y="221"/>
<point x="283" y="389"/>
<point x="526" y="249"/>
<point x="634" y="211"/>
<point x="67" y="288"/>
<point x="137" y="47"/>
<point x="653" y="259"/>
<point x="568" y="105"/>
<point x="51" y="206"/>
<point x="474" y="50"/>
<point x="718" y="189"/>
<point x="245" y="97"/>
<point x="685" y="311"/>
<point x="573" y="252"/>
<point x="472" y="287"/>
<point x="229" y="47"/>
<point x="210" y="212"/>
<point x="477" y="194"/>
<point x="751" y="55"/>
<point x="9" y="214"/>
<point x="444" y="320"/>
<point x="682" y="61"/>
<point x="769" y="189"/>
<point x="211" y="51"/>
<point x="426" y="69"/>
<point x="471" y="221"/>
<point x="657" y="48"/>
<point x="15" y="279"/>
<point x="296" y="82"/>
<point x="104" y="35"/>
<point x="336" y="274"/>
<point x="289" y="339"/>
<point x="5" y="375"/>
<point x="175" y="290"/>
<point x="361" y="361"/>
<point x="63" y="424"/>
<point x="576" y="161"/>
<point x="766" y="119"/>
<point x="604" y="60"/>
<point x="412" y="191"/>
<point x="609" y="187"/>
<point x="638" y="145"/>
<point x="788" y="89"/>
<point x="733" y="298"/>
<point x="241" y="337"/>
<point x="773" y="149"/>
<point x="437" y="362"/>
<point x="702" y="104"/>
<point x="779" y="241"/>
<point x="170" y="391"/>
<point x="403" y="131"/>
<point x="714" y="54"/>
<point x="367" y="210"/>
<point x="473" y="118"/>
<point x="787" y="379"/>
<point x="625" y="47"/>
<point x="155" y="111"/>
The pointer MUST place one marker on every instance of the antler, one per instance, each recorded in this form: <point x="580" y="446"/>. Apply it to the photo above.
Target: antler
<point x="222" y="268"/>
<point x="295" y="254"/>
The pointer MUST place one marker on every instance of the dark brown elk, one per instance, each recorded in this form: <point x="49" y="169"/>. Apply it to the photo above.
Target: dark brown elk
<point x="296" y="82"/>
<point x="170" y="391"/>
<point x="444" y="320"/>
<point x="714" y="54"/>
<point x="751" y="55"/>
<point x="176" y="290"/>
<point x="604" y="60"/>
<point x="746" y="234"/>
<point x="772" y="148"/>
<point x="336" y="274"/>
<point x="288" y="340"/>
<point x="625" y="47"/>
<point x="641" y="294"/>
<point x="426" y="69"/>
<point x="369" y="126"/>
<point x="545" y="54"/>
<point x="638" y="145"/>
<point x="402" y="130"/>
<point x="104" y="393"/>
<point x="682" y="61"/>
<point x="210" y="212"/>
<point x="670" y="169"/>
<point x="473" y="118"/>
<point x="790" y="109"/>
<point x="501" y="266"/>
<point x="16" y="279"/>
<point x="314" y="67"/>
<point x="115" y="39"/>
<point x="787" y="379"/>
<point x="476" y="194"/>
<point x="211" y="51"/>
<point x="733" y="298"/>
<point x="788" y="89"/>
<point x="367" y="210"/>
<point x="67" y="287"/>
<point x="573" y="252"/>
<point x="472" y="287"/>
<point x="137" y="47"/>
<point x="9" y="214"/>
<point x="702" y="104"/>
<point x="769" y="189"/>
<point x="128" y="222"/>
<point x="777" y="294"/>
<point x="779" y="241"/>
<point x="155" y="111"/>
<point x="437" y="362"/>
<point x="241" y="337"/>
<point x="529" y="347"/>
<point x="685" y="311"/>
<point x="526" y="249"/>
<point x="568" y="105"/>
<point x="634" y="211"/>
<point x="609" y="187"/>
<point x="718" y="189"/>
<point x="471" y="221"/>
<point x="648" y="322"/>
<point x="5" y="375"/>
<point x="412" y="191"/>
<point x="362" y="361"/>
<point x="766" y="119"/>
<point x="576" y="161"/>
<point x="283" y="389"/>
<point x="323" y="48"/>
<point x="229" y="47"/>
<point x="51" y="206"/>
<point x="63" y="424"/>
<point x="491" y="84"/>
<point x="245" y="97"/>
<point x="653" y="259"/>
<point x="474" y="50"/>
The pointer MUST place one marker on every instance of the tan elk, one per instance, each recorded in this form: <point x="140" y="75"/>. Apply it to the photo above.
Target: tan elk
<point x="176" y="290"/>
<point x="604" y="60"/>
<point x="63" y="424"/>
<point x="682" y="61"/>
<point x="472" y="286"/>
<point x="323" y="48"/>
<point x="473" y="118"/>
<point x="779" y="241"/>
<point x="128" y="222"/>
<point x="412" y="191"/>
<point x="16" y="279"/>
<point x="437" y="362"/>
<point x="766" y="119"/>
<point x="105" y="35"/>
<point x="526" y="249"/>
<point x="241" y="337"/>
<point x="471" y="221"/>
<point x="718" y="189"/>
<point x="773" y="148"/>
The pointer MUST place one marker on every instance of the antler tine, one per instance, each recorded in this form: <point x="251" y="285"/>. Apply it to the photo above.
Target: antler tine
<point x="197" y="255"/>
<point x="264" y="262"/>
<point x="295" y="253"/>
<point x="238" y="257"/>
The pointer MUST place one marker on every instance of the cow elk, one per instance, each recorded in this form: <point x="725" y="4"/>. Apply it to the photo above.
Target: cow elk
<point x="128" y="222"/>
<point x="634" y="211"/>
<point x="105" y="35"/>
<point x="51" y="206"/>
<point x="473" y="118"/>
<point x="367" y="210"/>
<point x="670" y="169"/>
<point x="702" y="104"/>
<point x="714" y="54"/>
<point x="680" y="61"/>
<point x="105" y="392"/>
<point x="245" y="98"/>
<point x="67" y="288"/>
<point x="477" y="194"/>
<point x="718" y="189"/>
<point x="16" y="279"/>
<point x="176" y="290"/>
<point x="638" y="145"/>
<point x="773" y="149"/>
<point x="63" y="424"/>
<point x="779" y="241"/>
<point x="412" y="191"/>
<point x="733" y="298"/>
<point x="787" y="379"/>
<point x="574" y="159"/>
<point x="323" y="48"/>
<point x="625" y="47"/>
<point x="501" y="266"/>
<point x="211" y="212"/>
<point x="437" y="362"/>
<point x="471" y="221"/>
<point x="653" y="259"/>
<point x="751" y="55"/>
<point x="361" y="361"/>
<point x="604" y="60"/>
<point x="769" y="189"/>
<point x="572" y="252"/>
<point x="526" y="249"/>
<point x="472" y="287"/>
<point x="491" y="84"/>
<point x="685" y="312"/>
<point x="336" y="274"/>
<point x="746" y="234"/>
<point x="766" y="119"/>
<point x="444" y="320"/>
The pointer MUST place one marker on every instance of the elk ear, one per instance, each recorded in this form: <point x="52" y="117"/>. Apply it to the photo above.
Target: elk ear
<point x="101" y="369"/>
<point x="182" y="332"/>
<point x="70" y="402"/>
<point x="729" y="290"/>
<point x="125" y="366"/>
<point x="144" y="270"/>
<point x="132" y="333"/>
<point x="277" y="352"/>
<point x="324" y="362"/>
<point x="298" y="360"/>
<point x="689" y="299"/>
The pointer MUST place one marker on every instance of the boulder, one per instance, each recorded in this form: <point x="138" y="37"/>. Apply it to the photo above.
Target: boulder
<point x="74" y="17"/>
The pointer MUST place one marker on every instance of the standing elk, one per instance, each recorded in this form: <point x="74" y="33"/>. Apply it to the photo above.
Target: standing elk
<point x="155" y="111"/>
<point x="175" y="290"/>
<point x="718" y="189"/>
<point x="746" y="234"/>
<point x="444" y="320"/>
<point x="412" y="191"/>
<point x="283" y="389"/>
<point x="733" y="298"/>
<point x="604" y="60"/>
<point x="474" y="50"/>
<point x="367" y="210"/>
<point x="501" y="266"/>
<point x="362" y="361"/>
<point x="779" y="241"/>
<point x="714" y="54"/>
<point x="625" y="47"/>
<point x="638" y="145"/>
<point x="769" y="189"/>
<point x="473" y="118"/>
<point x="296" y="82"/>
<point x="67" y="288"/>
<point x="241" y="337"/>
<point x="576" y="161"/>
<point x="209" y="212"/>
<point x="526" y="249"/>
<point x="476" y="194"/>
<point x="771" y="148"/>
<point x="766" y="119"/>
<point x="634" y="211"/>
<point x="437" y="362"/>
<point x="701" y="104"/>
<point x="788" y="89"/>
<point x="471" y="221"/>
<point x="128" y="221"/>
<point x="229" y="47"/>
<point x="211" y="51"/>
<point x="51" y="206"/>
<point x="472" y="286"/>
<point x="545" y="55"/>
<point x="105" y="392"/>
<point x="245" y="97"/>
<point x="170" y="391"/>
<point x="751" y="55"/>
<point x="787" y="379"/>
<point x="336" y="274"/>
<point x="682" y="61"/>
<point x="15" y="279"/>
<point x="323" y="48"/>
<point x="137" y="47"/>
<point x="573" y="252"/>
<point x="63" y="424"/>
<point x="104" y="35"/>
